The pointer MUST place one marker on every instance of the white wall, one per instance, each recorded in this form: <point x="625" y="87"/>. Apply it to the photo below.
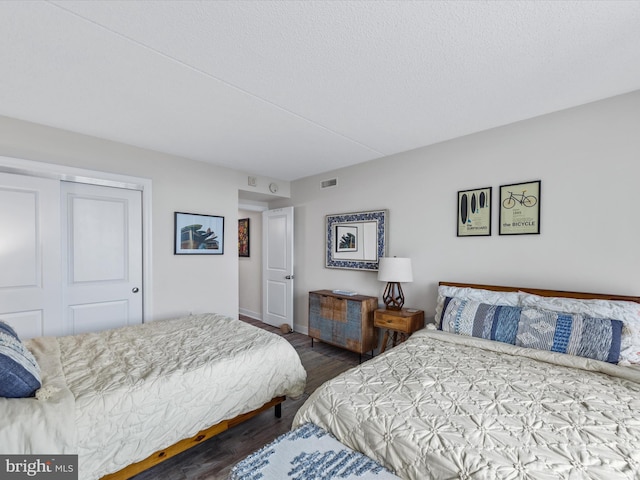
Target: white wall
<point x="250" y="268"/>
<point x="587" y="159"/>
<point x="181" y="284"/>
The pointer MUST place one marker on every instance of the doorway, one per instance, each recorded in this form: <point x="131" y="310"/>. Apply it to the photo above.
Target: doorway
<point x="250" y="267"/>
<point x="250" y="278"/>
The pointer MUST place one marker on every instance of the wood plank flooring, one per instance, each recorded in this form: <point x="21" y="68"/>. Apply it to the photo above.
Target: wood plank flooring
<point x="214" y="458"/>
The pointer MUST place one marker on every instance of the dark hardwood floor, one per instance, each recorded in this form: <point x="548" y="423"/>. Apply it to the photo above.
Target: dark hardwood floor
<point x="213" y="459"/>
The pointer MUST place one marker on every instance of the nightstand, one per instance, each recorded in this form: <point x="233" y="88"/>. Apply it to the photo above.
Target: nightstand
<point x="401" y="323"/>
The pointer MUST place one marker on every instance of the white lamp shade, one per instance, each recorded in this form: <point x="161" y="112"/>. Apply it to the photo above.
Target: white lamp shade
<point x="395" y="269"/>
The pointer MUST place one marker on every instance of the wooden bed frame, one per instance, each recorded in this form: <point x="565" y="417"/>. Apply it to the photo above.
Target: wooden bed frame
<point x="547" y="293"/>
<point x="183" y="445"/>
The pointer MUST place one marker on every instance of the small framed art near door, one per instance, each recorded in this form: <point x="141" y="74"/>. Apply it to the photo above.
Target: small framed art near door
<point x="243" y="237"/>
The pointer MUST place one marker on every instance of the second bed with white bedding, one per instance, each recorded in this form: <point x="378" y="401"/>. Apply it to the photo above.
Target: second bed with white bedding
<point x="120" y="395"/>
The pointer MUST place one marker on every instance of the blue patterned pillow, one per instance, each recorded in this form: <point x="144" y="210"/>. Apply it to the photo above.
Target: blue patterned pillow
<point x="19" y="371"/>
<point x="575" y="334"/>
<point x="475" y="319"/>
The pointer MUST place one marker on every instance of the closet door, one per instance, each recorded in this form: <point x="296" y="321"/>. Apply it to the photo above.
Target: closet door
<point x="102" y="257"/>
<point x="30" y="255"/>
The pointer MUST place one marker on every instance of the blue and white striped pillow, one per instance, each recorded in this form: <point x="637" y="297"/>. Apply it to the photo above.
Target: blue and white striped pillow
<point x="574" y="334"/>
<point x="475" y="319"/>
<point x="19" y="371"/>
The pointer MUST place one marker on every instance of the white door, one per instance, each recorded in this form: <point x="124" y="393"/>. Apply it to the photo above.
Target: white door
<point x="277" y="266"/>
<point x="30" y="255"/>
<point x="102" y="255"/>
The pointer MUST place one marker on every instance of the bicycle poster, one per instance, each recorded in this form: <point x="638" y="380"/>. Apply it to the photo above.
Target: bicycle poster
<point x="520" y="208"/>
<point x="474" y="212"/>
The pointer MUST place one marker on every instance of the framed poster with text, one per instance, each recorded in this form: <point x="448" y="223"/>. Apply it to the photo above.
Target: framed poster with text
<point x="520" y="208"/>
<point x="474" y="212"/>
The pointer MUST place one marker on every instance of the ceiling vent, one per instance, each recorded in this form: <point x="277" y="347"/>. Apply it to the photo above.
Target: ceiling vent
<point x="329" y="183"/>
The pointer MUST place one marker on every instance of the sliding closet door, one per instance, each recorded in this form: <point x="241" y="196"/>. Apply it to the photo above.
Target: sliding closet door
<point x="102" y="255"/>
<point x="30" y="255"/>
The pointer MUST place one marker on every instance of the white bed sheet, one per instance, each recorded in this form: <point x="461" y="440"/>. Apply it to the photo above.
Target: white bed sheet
<point x="140" y="389"/>
<point x="45" y="425"/>
<point x="444" y="406"/>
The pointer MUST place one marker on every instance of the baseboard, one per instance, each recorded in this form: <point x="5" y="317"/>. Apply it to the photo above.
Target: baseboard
<point x="258" y="316"/>
<point x="250" y="314"/>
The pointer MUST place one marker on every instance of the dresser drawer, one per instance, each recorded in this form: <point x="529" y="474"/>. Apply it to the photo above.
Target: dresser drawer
<point x="401" y="324"/>
<point x="405" y="321"/>
<point x="394" y="322"/>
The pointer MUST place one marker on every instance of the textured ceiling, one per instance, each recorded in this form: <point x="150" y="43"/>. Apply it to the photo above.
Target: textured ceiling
<point x="288" y="89"/>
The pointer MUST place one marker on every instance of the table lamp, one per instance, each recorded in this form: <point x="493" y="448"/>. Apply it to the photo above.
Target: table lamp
<point x="394" y="270"/>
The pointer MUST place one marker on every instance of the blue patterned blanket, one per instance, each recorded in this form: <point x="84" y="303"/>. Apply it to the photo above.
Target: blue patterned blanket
<point x="308" y="453"/>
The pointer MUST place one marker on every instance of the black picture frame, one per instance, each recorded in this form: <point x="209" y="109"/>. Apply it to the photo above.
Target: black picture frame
<point x="197" y="234"/>
<point x="520" y="212"/>
<point x="346" y="238"/>
<point x="243" y="238"/>
<point x="474" y="212"/>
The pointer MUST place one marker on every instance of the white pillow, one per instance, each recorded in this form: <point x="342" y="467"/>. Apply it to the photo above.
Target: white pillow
<point x="627" y="312"/>
<point x="511" y="299"/>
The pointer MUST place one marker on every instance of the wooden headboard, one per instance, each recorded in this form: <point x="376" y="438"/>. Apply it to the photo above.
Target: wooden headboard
<point x="546" y="293"/>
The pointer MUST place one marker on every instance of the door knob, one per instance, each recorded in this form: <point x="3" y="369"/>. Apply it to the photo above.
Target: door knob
<point x="135" y="290"/>
<point x="289" y="277"/>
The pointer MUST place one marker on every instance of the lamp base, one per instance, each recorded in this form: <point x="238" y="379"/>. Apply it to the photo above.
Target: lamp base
<point x="393" y="297"/>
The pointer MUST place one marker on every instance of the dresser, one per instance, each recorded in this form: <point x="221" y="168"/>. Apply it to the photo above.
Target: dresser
<point x="343" y="321"/>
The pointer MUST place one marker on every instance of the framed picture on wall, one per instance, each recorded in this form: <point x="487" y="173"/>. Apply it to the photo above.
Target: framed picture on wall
<point x="474" y="212"/>
<point x="356" y="240"/>
<point x="198" y="234"/>
<point x="346" y="238"/>
<point x="243" y="237"/>
<point x="520" y="208"/>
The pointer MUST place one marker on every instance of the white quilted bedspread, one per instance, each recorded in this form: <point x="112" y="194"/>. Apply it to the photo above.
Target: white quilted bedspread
<point x="444" y="406"/>
<point x="45" y="424"/>
<point x="142" y="388"/>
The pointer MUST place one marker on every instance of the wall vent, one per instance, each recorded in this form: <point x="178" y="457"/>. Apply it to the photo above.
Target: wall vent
<point x="333" y="182"/>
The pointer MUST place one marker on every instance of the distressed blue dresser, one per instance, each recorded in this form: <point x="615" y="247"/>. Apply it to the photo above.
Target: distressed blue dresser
<point x="342" y="320"/>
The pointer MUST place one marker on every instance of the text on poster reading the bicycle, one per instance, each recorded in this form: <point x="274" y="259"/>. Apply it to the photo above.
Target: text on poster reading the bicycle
<point x="519" y="224"/>
<point x="520" y="208"/>
<point x="522" y="222"/>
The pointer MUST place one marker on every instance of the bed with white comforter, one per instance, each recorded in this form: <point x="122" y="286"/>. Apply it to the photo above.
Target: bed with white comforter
<point x="116" y="397"/>
<point x="449" y="406"/>
<point x="444" y="406"/>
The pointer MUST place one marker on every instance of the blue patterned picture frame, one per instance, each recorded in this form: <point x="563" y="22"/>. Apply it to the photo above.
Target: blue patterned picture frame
<point x="336" y="259"/>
